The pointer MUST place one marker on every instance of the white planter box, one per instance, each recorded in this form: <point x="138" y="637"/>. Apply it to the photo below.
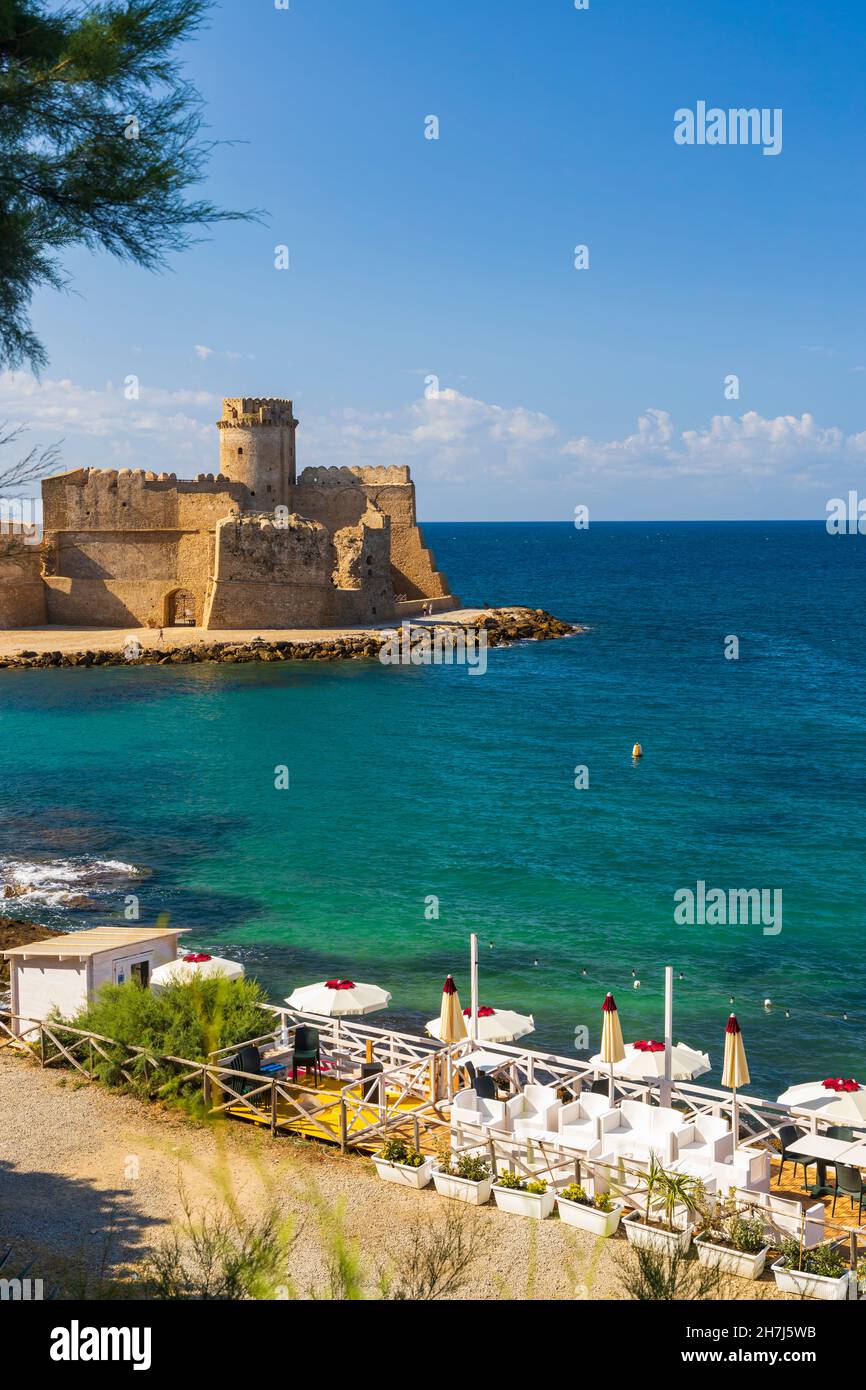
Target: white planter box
<point x="811" y="1285"/>
<point x="729" y="1261"/>
<point x="538" y="1205"/>
<point x="655" y="1237"/>
<point x="598" y="1223"/>
<point x="404" y="1173"/>
<point x="461" y="1189"/>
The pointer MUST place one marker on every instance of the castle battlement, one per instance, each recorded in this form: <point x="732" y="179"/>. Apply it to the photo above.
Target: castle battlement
<point x="256" y="410"/>
<point x="385" y="475"/>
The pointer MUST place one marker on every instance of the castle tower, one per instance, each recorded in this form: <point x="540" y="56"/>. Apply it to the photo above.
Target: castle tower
<point x="257" y="448"/>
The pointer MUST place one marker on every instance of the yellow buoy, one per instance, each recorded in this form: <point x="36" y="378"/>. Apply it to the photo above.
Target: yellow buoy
<point x="637" y="751"/>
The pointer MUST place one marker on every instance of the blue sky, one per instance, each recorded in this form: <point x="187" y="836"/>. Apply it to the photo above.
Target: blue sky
<point x="453" y="258"/>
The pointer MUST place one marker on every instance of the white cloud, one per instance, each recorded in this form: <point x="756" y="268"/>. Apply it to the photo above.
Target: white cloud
<point x="453" y="434"/>
<point x="205" y="352"/>
<point x="751" y="446"/>
<point x="99" y="425"/>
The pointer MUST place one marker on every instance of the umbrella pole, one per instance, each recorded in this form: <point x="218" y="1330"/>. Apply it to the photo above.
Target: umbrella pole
<point x="669" y="1034"/>
<point x="473" y="990"/>
<point x="611" y="1091"/>
<point x="735" y="1120"/>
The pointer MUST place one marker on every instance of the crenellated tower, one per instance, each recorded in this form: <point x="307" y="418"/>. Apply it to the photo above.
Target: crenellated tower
<point x="257" y="448"/>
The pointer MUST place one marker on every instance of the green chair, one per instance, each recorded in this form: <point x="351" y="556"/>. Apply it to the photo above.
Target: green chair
<point x="305" y="1053"/>
<point x="849" y="1183"/>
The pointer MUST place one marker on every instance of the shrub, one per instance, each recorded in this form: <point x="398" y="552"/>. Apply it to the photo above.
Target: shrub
<point x="511" y="1181"/>
<point x="398" y="1150"/>
<point x="747" y="1234"/>
<point x="824" y="1259"/>
<point x="471" y="1167"/>
<point x="537" y="1187"/>
<point x="186" y="1020"/>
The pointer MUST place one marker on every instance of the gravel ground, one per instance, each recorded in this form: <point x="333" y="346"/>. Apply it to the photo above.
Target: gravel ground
<point x="70" y="1152"/>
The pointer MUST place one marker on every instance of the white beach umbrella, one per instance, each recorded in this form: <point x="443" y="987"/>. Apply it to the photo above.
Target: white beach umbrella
<point x="339" y="999"/>
<point x="837" y="1098"/>
<point x="493" y="1025"/>
<point x="645" y="1061"/>
<point x="195" y="965"/>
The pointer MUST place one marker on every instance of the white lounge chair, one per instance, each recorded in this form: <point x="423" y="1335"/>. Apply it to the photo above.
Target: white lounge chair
<point x="708" y="1140"/>
<point x="534" y="1112"/>
<point x="473" y="1115"/>
<point x="580" y="1121"/>
<point x="784" y="1216"/>
<point x="746" y="1167"/>
<point x="637" y="1131"/>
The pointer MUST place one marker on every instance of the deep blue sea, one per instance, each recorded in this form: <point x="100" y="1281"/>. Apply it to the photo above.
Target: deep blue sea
<point x="413" y="783"/>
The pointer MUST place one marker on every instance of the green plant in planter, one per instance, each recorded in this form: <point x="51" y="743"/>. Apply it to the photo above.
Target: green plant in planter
<point x="397" y="1150"/>
<point x="829" y="1261"/>
<point x="675" y="1189"/>
<point x="746" y="1233"/>
<point x="471" y="1167"/>
<point x="826" y="1260"/>
<point x="602" y="1201"/>
<point x="537" y="1187"/>
<point x="575" y="1193"/>
<point x="511" y="1181"/>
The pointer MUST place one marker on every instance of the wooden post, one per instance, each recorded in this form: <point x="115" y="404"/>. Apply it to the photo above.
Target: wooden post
<point x="854" y="1290"/>
<point x="41" y="1046"/>
<point x="205" y="1087"/>
<point x="344" y="1131"/>
<point x="492" y="1147"/>
<point x="90" y="1055"/>
<point x="416" y="1137"/>
<point x="273" y="1108"/>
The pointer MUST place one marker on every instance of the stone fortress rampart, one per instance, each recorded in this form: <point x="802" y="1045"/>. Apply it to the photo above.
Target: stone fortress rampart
<point x="252" y="546"/>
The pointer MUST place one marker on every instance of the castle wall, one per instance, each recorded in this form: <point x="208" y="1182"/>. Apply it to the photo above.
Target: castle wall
<point x="339" y="497"/>
<point x="270" y="576"/>
<point x="22" y="594"/>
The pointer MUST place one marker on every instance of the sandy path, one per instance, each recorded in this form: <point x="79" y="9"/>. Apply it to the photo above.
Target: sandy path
<point x="68" y="1152"/>
<point x="105" y="639"/>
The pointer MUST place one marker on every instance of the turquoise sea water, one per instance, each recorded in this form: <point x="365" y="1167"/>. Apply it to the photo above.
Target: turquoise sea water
<point x="411" y="782"/>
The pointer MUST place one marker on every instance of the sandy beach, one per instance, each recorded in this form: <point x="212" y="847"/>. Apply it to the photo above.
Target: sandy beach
<point x="67" y="1148"/>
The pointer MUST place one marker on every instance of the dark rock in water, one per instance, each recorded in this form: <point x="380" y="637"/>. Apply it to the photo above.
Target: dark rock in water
<point x="15" y="933"/>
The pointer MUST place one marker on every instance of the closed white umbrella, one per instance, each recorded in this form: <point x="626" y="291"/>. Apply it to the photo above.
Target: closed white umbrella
<point x="837" y="1098"/>
<point x="735" y="1072"/>
<point x="491" y="1025"/>
<point x="195" y="965"/>
<point x="450" y="1026"/>
<point x="612" y="1049"/>
<point x="339" y="999"/>
<point x="645" y="1061"/>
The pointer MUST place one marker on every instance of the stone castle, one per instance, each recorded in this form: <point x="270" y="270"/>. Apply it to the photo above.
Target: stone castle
<point x="253" y="546"/>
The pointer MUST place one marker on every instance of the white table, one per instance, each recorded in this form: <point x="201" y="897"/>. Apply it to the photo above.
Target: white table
<point x="821" y="1150"/>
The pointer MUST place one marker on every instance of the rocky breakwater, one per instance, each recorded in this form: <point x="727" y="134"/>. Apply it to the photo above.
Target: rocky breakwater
<point x="503" y="626"/>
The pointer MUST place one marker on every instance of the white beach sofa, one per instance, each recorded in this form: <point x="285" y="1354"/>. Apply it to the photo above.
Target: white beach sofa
<point x="580" y="1121"/>
<point x="746" y="1167"/>
<point x="707" y="1140"/>
<point x="784" y="1216"/>
<point x="534" y="1113"/>
<point x="636" y="1131"/>
<point x="472" y="1115"/>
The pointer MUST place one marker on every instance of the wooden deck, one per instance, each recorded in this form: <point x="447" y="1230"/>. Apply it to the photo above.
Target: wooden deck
<point x="329" y="1116"/>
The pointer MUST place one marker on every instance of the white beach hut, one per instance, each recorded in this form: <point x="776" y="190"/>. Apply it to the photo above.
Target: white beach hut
<point x="63" y="972"/>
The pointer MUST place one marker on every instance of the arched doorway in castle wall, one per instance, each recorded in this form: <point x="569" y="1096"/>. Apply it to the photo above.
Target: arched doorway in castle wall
<point x="179" y="609"/>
